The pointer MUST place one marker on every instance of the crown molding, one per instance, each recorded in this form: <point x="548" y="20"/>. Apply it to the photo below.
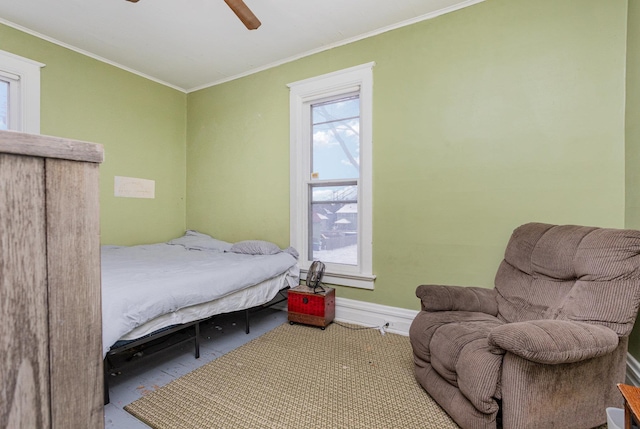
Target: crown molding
<point x="87" y="53"/>
<point x="376" y="32"/>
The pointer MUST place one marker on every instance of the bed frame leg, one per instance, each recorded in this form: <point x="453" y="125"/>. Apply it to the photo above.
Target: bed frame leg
<point x="246" y="321"/>
<point x="197" y="326"/>
<point x="106" y="381"/>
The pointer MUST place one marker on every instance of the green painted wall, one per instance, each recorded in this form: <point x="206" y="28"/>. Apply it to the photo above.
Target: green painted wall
<point x="142" y="125"/>
<point x="632" y="124"/>
<point x="632" y="138"/>
<point x="506" y="112"/>
<point x="238" y="159"/>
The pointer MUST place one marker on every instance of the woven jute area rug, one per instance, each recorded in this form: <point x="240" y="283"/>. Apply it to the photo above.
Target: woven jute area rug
<point x="300" y="377"/>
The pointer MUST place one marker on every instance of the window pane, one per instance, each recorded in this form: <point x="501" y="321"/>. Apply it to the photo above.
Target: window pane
<point x="4" y="105"/>
<point x="336" y="139"/>
<point x="334" y="224"/>
<point x="345" y="107"/>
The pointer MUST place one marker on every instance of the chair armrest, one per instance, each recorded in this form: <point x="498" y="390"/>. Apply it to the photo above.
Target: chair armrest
<point x="457" y="298"/>
<point x="554" y="341"/>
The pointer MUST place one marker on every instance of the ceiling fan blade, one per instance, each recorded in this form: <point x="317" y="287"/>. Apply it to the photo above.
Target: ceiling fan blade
<point x="243" y="12"/>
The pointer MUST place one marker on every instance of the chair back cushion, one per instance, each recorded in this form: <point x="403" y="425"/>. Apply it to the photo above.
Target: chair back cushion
<point x="571" y="272"/>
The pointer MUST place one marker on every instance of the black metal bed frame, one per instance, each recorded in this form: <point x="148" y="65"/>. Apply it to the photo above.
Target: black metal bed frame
<point x="165" y="332"/>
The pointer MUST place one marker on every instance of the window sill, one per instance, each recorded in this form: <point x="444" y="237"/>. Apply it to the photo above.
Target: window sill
<point x="361" y="281"/>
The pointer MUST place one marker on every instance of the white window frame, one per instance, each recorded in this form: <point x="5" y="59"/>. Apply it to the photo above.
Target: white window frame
<point x="13" y="93"/>
<point x="302" y="94"/>
<point x="25" y="99"/>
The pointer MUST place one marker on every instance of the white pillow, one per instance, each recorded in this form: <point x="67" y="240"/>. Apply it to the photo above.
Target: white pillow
<point x="193" y="240"/>
<point x="255" y="247"/>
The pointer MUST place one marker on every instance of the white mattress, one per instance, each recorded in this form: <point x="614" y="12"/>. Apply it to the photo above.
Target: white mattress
<point x="169" y="284"/>
<point x="240" y="300"/>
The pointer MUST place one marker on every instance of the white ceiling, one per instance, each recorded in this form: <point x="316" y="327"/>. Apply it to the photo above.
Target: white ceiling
<point x="191" y="44"/>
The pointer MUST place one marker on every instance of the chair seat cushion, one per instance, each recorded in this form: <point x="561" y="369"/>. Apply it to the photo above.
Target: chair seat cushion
<point x="456" y="344"/>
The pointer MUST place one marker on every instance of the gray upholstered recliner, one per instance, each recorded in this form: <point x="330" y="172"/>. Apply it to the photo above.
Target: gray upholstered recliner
<point x="544" y="348"/>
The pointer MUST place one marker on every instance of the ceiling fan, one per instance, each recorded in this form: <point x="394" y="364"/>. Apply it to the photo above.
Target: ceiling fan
<point x="241" y="10"/>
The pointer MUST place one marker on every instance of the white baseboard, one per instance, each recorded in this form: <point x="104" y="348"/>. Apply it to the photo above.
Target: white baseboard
<point x="368" y="314"/>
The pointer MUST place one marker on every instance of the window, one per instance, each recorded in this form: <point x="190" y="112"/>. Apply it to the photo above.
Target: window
<point x="331" y="165"/>
<point x="4" y="105"/>
<point x="19" y="93"/>
<point x="9" y="94"/>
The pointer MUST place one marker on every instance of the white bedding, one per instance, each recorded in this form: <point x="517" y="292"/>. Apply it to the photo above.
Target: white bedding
<point x="246" y="298"/>
<point x="142" y="283"/>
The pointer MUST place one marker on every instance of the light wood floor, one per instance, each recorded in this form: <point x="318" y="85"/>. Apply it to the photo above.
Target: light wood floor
<point x="218" y="336"/>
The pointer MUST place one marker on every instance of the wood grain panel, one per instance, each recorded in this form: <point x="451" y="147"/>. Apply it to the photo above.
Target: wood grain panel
<point x="24" y="369"/>
<point x="75" y="319"/>
<point x="50" y="147"/>
<point x="631" y="395"/>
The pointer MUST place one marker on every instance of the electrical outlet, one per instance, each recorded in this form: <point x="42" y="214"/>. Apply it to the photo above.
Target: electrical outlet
<point x="383" y="328"/>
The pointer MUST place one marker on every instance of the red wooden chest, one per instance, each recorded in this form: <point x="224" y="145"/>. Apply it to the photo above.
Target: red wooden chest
<point x="317" y="309"/>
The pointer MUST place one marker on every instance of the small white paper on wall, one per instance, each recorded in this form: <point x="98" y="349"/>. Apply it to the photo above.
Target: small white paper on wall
<point x="131" y="187"/>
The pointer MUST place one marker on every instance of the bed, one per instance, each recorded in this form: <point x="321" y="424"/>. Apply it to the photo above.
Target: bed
<point x="152" y="289"/>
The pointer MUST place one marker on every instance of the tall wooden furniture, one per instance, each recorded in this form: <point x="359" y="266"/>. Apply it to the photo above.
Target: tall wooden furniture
<point x="50" y="305"/>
